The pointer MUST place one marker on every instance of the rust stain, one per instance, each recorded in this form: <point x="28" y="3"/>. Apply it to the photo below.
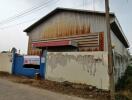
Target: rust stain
<point x="32" y="51"/>
<point x="88" y="43"/>
<point x="64" y="26"/>
<point x="101" y="41"/>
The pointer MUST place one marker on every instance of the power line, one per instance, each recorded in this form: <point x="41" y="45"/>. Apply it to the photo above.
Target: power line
<point x="23" y="13"/>
<point x="45" y="4"/>
<point x="21" y="22"/>
<point x="18" y="24"/>
<point x="19" y="14"/>
<point x="94" y="5"/>
<point x="83" y="4"/>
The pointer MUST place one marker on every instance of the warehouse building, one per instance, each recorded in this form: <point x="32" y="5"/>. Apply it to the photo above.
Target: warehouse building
<point x="74" y="32"/>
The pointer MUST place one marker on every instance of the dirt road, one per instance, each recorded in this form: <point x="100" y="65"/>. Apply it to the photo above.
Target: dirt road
<point x="14" y="91"/>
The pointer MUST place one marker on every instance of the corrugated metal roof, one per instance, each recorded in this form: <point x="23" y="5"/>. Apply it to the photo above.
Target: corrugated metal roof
<point x="114" y="25"/>
<point x="57" y="10"/>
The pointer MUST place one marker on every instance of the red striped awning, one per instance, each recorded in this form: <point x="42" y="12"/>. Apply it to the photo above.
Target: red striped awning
<point x="54" y="43"/>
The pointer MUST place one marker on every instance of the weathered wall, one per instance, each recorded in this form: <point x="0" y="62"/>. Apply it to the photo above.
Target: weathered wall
<point x="5" y="62"/>
<point x="80" y="67"/>
<point x="118" y="46"/>
<point x="68" y="24"/>
<point x="121" y="57"/>
<point x="65" y="24"/>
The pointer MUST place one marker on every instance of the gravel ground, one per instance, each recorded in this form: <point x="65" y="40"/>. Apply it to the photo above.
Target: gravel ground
<point x="79" y="90"/>
<point x="15" y="91"/>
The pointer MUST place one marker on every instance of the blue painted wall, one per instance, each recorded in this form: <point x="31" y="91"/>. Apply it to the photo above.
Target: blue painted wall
<point x="18" y="68"/>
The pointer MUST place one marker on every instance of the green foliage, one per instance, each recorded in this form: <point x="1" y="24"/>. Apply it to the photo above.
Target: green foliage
<point x="125" y="83"/>
<point x="121" y="97"/>
<point x="125" y="86"/>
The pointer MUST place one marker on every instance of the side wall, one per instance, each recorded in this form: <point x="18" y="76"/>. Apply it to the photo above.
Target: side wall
<point x="79" y="67"/>
<point x="5" y="62"/>
<point x="121" y="57"/>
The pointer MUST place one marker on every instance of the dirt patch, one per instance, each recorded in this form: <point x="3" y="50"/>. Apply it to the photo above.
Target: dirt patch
<point x="4" y="74"/>
<point x="80" y="90"/>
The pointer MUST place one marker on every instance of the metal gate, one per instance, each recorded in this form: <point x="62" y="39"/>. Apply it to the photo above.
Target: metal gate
<point x="20" y="69"/>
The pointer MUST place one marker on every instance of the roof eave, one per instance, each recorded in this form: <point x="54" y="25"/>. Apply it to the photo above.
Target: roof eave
<point x="30" y="28"/>
<point x="116" y="28"/>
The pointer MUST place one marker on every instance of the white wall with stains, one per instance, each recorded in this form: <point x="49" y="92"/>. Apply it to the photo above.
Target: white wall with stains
<point x="120" y="56"/>
<point x="5" y="62"/>
<point x="89" y="68"/>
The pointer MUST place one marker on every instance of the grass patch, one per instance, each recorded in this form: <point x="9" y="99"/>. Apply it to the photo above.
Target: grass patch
<point x="124" y="86"/>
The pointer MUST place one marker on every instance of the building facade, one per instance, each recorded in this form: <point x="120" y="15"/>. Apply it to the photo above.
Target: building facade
<point x="74" y="30"/>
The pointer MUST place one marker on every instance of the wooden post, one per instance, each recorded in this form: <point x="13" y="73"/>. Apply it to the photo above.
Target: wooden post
<point x="110" y="61"/>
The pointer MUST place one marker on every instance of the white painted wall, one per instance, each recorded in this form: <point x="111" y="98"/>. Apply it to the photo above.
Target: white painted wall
<point x="119" y="47"/>
<point x="79" y="67"/>
<point x="121" y="57"/>
<point x="5" y="62"/>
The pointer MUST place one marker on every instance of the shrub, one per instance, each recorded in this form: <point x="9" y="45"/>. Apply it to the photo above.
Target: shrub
<point x="125" y="82"/>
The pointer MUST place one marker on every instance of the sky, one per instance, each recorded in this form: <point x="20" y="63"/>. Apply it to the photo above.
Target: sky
<point x="12" y="25"/>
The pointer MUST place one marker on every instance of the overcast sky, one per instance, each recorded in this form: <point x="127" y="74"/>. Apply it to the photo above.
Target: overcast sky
<point x="11" y="31"/>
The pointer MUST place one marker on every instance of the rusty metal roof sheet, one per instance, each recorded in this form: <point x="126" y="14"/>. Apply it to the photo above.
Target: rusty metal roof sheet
<point x="57" y="10"/>
<point x="115" y="28"/>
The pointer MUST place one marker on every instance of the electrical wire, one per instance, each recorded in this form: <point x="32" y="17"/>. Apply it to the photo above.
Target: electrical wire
<point x="9" y="26"/>
<point x="20" y="14"/>
<point x="93" y="5"/>
<point x="28" y="12"/>
<point x="23" y="21"/>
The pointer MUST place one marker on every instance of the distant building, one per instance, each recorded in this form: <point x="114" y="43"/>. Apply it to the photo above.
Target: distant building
<point x="68" y="30"/>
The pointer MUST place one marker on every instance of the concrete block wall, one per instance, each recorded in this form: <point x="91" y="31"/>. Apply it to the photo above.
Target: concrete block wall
<point x="5" y="62"/>
<point x="89" y="68"/>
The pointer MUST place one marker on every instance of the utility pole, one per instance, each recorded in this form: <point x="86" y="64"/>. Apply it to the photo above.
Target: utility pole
<point x="110" y="60"/>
